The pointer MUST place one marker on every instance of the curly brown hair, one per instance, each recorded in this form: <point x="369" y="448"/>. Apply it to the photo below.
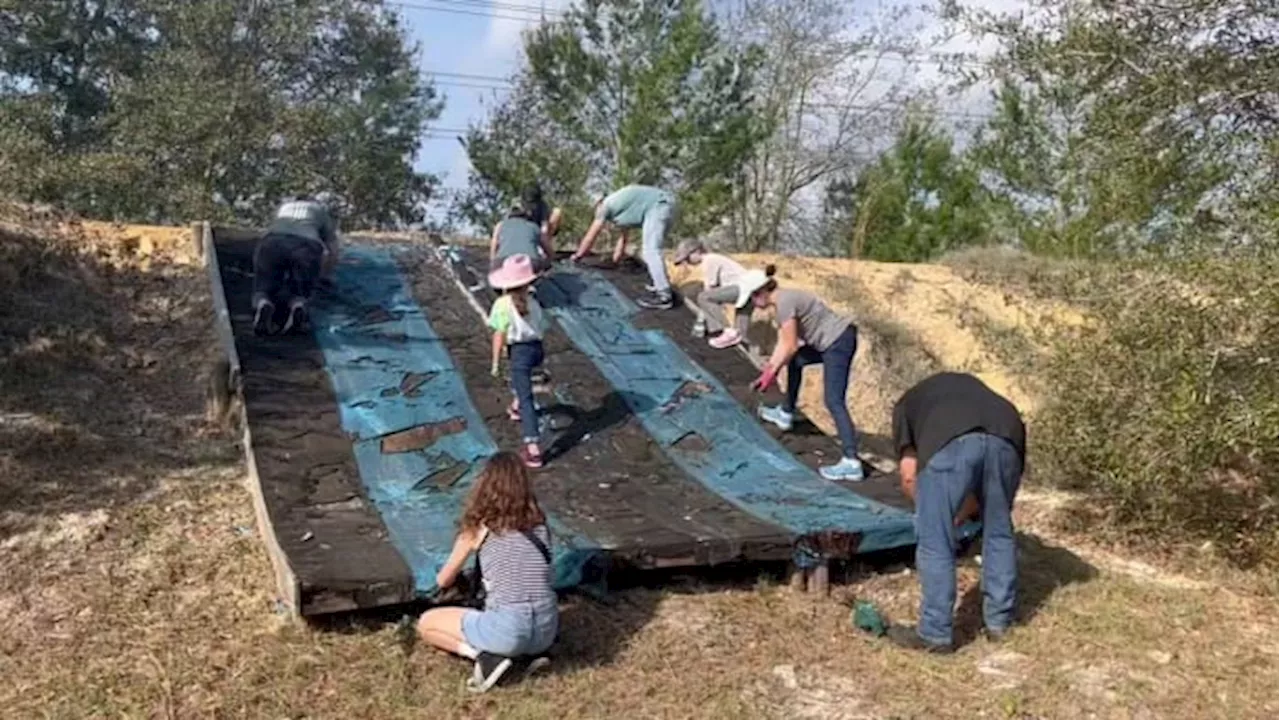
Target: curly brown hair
<point x="501" y="498"/>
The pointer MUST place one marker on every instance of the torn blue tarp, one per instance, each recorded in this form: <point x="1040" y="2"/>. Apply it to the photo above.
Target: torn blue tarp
<point x="417" y="437"/>
<point x="703" y="428"/>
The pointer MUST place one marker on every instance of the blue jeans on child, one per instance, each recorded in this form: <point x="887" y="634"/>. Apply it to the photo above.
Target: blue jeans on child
<point x="524" y="358"/>
<point x="989" y="467"/>
<point x="512" y="630"/>
<point x="837" y="362"/>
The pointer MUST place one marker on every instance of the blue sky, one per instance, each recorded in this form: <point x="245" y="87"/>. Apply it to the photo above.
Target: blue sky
<point x="484" y="43"/>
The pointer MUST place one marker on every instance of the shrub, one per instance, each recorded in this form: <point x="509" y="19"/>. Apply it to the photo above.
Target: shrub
<point x="1165" y="410"/>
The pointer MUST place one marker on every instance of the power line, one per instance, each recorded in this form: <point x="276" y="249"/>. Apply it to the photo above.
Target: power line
<point x="458" y="11"/>
<point x="483" y="6"/>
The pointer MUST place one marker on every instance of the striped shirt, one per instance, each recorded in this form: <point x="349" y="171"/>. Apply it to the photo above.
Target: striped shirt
<point x="514" y="570"/>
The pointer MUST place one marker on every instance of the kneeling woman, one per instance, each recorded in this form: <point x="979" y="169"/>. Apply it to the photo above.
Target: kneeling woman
<point x="504" y="525"/>
<point x="827" y="338"/>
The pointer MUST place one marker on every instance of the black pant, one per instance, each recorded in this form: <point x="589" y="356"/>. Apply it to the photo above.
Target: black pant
<point x="286" y="268"/>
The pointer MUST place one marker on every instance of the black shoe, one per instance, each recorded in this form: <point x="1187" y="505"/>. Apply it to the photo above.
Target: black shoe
<point x="656" y="301"/>
<point x="297" y="319"/>
<point x="532" y="664"/>
<point x="488" y="671"/>
<point x="905" y="636"/>
<point x="262" y="318"/>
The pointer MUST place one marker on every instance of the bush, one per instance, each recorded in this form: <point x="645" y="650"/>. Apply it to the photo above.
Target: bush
<point x="1166" y="409"/>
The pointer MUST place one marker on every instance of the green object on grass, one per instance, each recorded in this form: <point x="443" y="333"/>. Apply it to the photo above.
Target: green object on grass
<point x="867" y="618"/>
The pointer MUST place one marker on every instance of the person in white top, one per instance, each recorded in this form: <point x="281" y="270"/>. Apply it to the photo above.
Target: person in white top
<point x="517" y="324"/>
<point x="720" y="276"/>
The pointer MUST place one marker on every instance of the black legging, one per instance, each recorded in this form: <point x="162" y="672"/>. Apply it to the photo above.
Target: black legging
<point x="286" y="267"/>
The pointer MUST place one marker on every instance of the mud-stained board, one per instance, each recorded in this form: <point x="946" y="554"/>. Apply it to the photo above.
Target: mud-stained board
<point x="806" y="442"/>
<point x="333" y="540"/>
<point x="605" y="476"/>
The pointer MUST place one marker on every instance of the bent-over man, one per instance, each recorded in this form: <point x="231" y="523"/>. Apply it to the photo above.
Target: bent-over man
<point x="957" y="439"/>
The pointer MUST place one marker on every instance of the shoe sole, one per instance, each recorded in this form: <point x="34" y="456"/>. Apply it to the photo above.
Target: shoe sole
<point x="536" y="666"/>
<point x="842" y="478"/>
<point x="480" y="684"/>
<point x="297" y="318"/>
<point x="724" y="346"/>
<point x="262" y="320"/>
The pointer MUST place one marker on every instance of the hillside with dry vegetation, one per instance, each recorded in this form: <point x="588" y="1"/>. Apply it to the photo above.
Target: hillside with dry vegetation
<point x="133" y="584"/>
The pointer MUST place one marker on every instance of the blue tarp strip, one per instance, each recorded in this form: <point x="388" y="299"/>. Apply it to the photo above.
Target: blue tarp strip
<point x="391" y="372"/>
<point x="703" y="428"/>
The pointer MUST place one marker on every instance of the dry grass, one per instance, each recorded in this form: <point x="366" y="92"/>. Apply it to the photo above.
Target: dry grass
<point x="132" y="584"/>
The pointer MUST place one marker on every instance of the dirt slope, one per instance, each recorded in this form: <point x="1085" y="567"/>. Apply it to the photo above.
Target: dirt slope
<point x="132" y="583"/>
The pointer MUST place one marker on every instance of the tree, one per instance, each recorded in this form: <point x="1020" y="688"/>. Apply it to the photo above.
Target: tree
<point x="1133" y="125"/>
<point x="213" y="110"/>
<point x="825" y="98"/>
<point x="918" y="201"/>
<point x="642" y="91"/>
<point x="519" y="145"/>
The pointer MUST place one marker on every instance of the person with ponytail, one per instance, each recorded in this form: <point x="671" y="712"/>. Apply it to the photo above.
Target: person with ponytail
<point x="809" y="332"/>
<point x="517" y="324"/>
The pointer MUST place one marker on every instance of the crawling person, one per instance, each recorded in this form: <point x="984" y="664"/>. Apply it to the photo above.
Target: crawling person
<point x="299" y="250"/>
<point x="808" y="332"/>
<point x="520" y="233"/>
<point x="517" y="324"/>
<point x="720" y="276"/>
<point x="505" y="527"/>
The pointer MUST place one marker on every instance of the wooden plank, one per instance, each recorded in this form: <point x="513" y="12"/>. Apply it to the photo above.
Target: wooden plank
<point x="287" y="588"/>
<point x="327" y="541"/>
<point x="221" y="314"/>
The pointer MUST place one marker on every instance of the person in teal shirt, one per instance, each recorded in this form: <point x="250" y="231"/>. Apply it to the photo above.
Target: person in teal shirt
<point x="653" y="211"/>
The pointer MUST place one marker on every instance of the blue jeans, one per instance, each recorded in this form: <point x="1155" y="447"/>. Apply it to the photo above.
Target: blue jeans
<point x="837" y="362"/>
<point x="524" y="358"/>
<point x="657" y="222"/>
<point x="989" y="467"/>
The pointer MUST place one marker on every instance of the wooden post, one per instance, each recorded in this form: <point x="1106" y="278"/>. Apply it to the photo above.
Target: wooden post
<point x="820" y="579"/>
<point x="197" y="238"/>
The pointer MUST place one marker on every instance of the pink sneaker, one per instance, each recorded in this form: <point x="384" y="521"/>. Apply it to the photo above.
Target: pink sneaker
<point x="726" y="339"/>
<point x="513" y="411"/>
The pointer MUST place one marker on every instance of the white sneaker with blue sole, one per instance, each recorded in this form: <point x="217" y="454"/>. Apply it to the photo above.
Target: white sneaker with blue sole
<point x="847" y="470"/>
<point x="777" y="416"/>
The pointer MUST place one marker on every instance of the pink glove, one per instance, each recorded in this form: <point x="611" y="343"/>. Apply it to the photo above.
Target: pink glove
<point x="767" y="377"/>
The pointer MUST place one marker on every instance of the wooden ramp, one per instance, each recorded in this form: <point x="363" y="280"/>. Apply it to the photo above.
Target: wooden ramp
<point x="363" y="436"/>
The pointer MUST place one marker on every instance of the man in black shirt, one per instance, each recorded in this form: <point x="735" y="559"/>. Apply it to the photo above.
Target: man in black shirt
<point x="957" y="440"/>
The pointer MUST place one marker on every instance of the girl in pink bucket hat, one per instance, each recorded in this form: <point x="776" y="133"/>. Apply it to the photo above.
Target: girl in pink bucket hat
<point x="517" y="324"/>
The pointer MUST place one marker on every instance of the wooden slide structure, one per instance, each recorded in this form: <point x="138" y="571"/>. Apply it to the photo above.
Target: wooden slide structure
<point x="362" y="437"/>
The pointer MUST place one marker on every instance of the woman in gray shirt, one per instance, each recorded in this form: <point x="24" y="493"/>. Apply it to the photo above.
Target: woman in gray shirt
<point x="808" y="332"/>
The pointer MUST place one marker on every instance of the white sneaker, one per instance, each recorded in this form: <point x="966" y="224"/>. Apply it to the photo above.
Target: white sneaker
<point x="776" y="415"/>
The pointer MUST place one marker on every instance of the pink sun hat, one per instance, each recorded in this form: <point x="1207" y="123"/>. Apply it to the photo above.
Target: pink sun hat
<point x="516" y="271"/>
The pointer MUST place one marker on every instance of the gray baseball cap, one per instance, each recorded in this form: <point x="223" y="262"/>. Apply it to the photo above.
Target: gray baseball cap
<point x="687" y="248"/>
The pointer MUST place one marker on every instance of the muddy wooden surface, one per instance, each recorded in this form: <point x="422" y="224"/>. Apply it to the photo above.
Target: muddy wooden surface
<point x="333" y="538"/>
<point x="605" y="477"/>
<point x="805" y="441"/>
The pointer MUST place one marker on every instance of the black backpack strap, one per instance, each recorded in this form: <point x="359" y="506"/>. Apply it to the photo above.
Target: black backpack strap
<point x="537" y="542"/>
